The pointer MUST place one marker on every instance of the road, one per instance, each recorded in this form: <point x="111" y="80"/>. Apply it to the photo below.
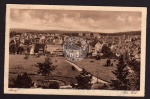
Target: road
<point x="94" y="79"/>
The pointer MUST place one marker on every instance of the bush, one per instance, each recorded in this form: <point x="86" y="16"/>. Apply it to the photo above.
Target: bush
<point x="23" y="81"/>
<point x="97" y="57"/>
<point x="112" y="64"/>
<point x="108" y="62"/>
<point x="26" y="56"/>
<point x="54" y="85"/>
<point x="48" y="84"/>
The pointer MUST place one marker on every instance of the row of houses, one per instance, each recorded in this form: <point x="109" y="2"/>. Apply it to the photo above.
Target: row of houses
<point x="84" y="35"/>
<point x="95" y="43"/>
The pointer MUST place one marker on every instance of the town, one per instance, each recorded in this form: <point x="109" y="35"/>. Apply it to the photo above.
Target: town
<point x="54" y="42"/>
<point x="104" y="51"/>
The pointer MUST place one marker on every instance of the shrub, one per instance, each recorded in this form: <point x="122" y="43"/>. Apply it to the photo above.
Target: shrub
<point x="73" y="68"/>
<point x="91" y="61"/>
<point x="22" y="81"/>
<point x="105" y="86"/>
<point x="112" y="64"/>
<point x="97" y="57"/>
<point x="48" y="84"/>
<point x="26" y="56"/>
<point x="54" y="85"/>
<point x="108" y="62"/>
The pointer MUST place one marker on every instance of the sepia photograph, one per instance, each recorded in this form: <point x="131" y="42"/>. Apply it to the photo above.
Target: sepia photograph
<point x="75" y="50"/>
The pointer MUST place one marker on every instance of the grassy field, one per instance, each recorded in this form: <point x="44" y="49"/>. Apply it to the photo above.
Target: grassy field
<point x="19" y="65"/>
<point x="97" y="68"/>
<point x="63" y="72"/>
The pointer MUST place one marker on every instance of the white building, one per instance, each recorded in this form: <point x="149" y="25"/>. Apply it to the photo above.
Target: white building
<point x="98" y="47"/>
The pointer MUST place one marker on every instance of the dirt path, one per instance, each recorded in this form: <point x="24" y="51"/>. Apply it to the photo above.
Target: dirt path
<point x="94" y="79"/>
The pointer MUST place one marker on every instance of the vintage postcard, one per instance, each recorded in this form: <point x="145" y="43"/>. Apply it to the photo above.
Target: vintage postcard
<point x="75" y="50"/>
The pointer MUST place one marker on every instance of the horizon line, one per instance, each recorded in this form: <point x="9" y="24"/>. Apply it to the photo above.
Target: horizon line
<point x="78" y="31"/>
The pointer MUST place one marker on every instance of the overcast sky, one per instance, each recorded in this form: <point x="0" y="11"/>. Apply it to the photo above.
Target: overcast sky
<point x="94" y="21"/>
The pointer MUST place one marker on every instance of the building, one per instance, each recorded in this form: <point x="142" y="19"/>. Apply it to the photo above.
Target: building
<point x="80" y="34"/>
<point x="98" y="47"/>
<point x="58" y="40"/>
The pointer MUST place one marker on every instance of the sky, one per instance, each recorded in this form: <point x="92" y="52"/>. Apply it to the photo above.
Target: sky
<point x="75" y="20"/>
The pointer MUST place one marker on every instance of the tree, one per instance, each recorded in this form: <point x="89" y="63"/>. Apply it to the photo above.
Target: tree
<point x="46" y="68"/>
<point x="122" y="82"/>
<point x="23" y="81"/>
<point x="106" y="51"/>
<point x="135" y="65"/>
<point x="83" y="80"/>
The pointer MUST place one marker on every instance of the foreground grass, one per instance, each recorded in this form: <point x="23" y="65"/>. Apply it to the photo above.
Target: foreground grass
<point x="97" y="68"/>
<point x="63" y="72"/>
<point x="19" y="65"/>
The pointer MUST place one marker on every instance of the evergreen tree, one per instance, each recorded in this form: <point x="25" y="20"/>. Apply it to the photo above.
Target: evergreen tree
<point x="122" y="82"/>
<point x="135" y="65"/>
<point x="22" y="81"/>
<point x="83" y="80"/>
<point x="46" y="68"/>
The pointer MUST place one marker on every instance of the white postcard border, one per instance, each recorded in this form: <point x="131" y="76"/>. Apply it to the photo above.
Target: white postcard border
<point x="140" y="93"/>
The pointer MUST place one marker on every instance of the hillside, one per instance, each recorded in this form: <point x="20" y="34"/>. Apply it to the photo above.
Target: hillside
<point x="62" y="32"/>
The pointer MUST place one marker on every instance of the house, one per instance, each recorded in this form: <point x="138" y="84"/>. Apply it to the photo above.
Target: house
<point x="91" y="49"/>
<point x="57" y="34"/>
<point x="113" y="47"/>
<point x="17" y="37"/>
<point x="58" y="40"/>
<point x="88" y="41"/>
<point x="98" y="47"/>
<point x="59" y="52"/>
<point x="96" y="35"/>
<point x="95" y="48"/>
<point x="22" y="40"/>
<point x="128" y="39"/>
<point x="42" y="39"/>
<point x="12" y="40"/>
<point x="80" y="34"/>
<point x="53" y="49"/>
<point x="87" y="34"/>
<point x="66" y="37"/>
<point x="24" y="34"/>
<point x="36" y="40"/>
<point x="52" y="35"/>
